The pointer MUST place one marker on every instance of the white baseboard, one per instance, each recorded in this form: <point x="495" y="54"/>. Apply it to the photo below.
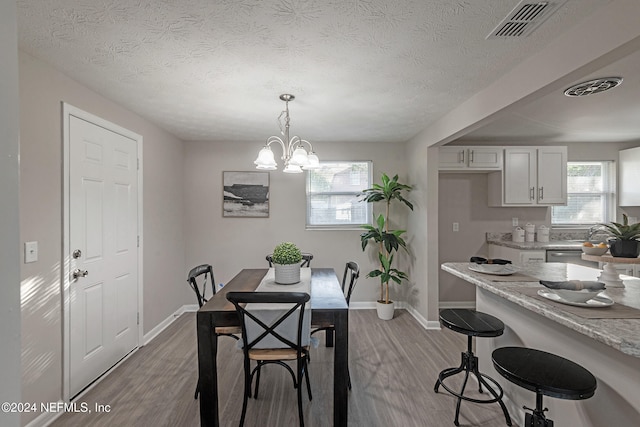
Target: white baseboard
<point x="471" y="305"/>
<point x="402" y="305"/>
<point x="166" y="322"/>
<point x="46" y="418"/>
<point x="364" y="305"/>
<point x="190" y="308"/>
<point x="427" y="324"/>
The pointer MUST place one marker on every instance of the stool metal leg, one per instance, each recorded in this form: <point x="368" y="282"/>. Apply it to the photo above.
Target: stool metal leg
<point x="495" y="395"/>
<point x="469" y="364"/>
<point x="536" y="418"/>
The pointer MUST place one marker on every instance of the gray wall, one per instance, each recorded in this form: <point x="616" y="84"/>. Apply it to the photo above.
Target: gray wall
<point x="9" y="237"/>
<point x="230" y="244"/>
<point x="41" y="91"/>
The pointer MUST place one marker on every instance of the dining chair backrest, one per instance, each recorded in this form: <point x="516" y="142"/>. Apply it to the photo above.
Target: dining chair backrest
<point x="351" y="274"/>
<point x="197" y="279"/>
<point x="306" y="260"/>
<point x="298" y="299"/>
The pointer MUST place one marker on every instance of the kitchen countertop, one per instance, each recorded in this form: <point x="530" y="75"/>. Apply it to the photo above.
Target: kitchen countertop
<point x="561" y="241"/>
<point x="621" y="334"/>
<point x="538" y="246"/>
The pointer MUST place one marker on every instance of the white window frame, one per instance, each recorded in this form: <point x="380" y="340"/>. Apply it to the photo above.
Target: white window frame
<point x="609" y="193"/>
<point x="350" y="226"/>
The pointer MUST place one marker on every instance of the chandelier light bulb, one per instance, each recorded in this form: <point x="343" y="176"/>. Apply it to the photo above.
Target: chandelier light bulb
<point x="289" y="168"/>
<point x="299" y="157"/>
<point x="312" y="161"/>
<point x="266" y="160"/>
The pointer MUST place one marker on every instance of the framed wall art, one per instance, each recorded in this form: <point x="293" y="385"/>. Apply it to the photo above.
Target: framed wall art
<point x="245" y="194"/>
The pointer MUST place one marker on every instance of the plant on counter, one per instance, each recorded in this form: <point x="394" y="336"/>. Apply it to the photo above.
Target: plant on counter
<point x="625" y="242"/>
<point x="389" y="241"/>
<point x="286" y="260"/>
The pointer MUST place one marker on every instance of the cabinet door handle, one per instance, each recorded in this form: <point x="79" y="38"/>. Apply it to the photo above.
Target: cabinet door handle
<point x="532" y="193"/>
<point x="470" y="156"/>
<point x="462" y="153"/>
<point x="541" y="193"/>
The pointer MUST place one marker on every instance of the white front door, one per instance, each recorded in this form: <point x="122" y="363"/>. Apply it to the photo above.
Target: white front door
<point x="103" y="250"/>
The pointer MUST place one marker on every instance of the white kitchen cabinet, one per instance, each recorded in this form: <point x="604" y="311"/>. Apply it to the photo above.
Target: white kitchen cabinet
<point x="471" y="159"/>
<point x="531" y="176"/>
<point x="517" y="256"/>
<point x="629" y="163"/>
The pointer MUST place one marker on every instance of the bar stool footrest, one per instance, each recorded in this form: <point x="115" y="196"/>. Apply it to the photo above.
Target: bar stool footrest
<point x="492" y="391"/>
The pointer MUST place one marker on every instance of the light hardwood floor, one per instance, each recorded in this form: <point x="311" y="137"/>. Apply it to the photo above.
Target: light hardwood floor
<point x="393" y="364"/>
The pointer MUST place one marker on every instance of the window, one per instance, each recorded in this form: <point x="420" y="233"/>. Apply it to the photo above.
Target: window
<point x="590" y="194"/>
<point x="332" y="194"/>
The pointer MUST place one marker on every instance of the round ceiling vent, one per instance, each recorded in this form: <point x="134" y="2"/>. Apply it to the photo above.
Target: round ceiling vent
<point x="593" y="86"/>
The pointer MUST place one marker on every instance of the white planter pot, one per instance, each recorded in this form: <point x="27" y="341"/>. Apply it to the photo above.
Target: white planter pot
<point x="287" y="274"/>
<point x="385" y="311"/>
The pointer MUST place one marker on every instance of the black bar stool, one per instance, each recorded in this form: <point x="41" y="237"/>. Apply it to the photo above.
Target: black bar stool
<point x="545" y="374"/>
<point x="472" y="324"/>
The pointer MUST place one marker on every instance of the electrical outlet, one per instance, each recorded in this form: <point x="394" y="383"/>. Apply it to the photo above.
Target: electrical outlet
<point x="514" y="222"/>
<point x="30" y="252"/>
<point x="456" y="226"/>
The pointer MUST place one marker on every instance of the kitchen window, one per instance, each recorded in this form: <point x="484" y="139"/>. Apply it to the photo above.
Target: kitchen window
<point x="590" y="195"/>
<point x="333" y="194"/>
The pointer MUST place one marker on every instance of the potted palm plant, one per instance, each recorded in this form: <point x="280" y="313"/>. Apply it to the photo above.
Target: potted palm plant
<point x="286" y="260"/>
<point x="387" y="240"/>
<point x="625" y="242"/>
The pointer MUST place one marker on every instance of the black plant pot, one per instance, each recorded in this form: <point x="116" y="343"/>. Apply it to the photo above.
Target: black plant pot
<point x="625" y="248"/>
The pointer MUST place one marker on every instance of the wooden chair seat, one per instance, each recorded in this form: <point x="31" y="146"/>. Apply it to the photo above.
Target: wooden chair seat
<point x="274" y="353"/>
<point x="228" y="330"/>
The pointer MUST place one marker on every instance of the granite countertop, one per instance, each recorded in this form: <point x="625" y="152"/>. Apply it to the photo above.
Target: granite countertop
<point x="538" y="246"/>
<point x="621" y="334"/>
<point x="557" y="241"/>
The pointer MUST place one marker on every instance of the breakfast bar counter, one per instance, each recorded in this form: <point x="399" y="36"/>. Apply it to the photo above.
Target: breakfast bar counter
<point x="604" y="340"/>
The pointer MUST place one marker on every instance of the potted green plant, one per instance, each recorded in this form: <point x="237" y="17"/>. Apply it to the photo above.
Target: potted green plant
<point x="387" y="240"/>
<point x="625" y="242"/>
<point x="286" y="260"/>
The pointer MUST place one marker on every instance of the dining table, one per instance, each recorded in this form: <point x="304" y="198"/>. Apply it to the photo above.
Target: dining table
<point x="328" y="307"/>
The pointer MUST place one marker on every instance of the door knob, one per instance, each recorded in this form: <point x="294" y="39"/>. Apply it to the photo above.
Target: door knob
<point x="79" y="273"/>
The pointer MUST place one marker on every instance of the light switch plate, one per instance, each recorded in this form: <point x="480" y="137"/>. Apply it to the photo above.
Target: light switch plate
<point x="30" y="252"/>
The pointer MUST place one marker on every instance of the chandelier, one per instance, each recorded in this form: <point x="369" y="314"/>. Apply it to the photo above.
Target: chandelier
<point x="294" y="154"/>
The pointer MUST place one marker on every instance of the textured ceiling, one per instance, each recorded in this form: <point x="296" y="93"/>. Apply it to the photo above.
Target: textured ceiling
<point x="361" y="70"/>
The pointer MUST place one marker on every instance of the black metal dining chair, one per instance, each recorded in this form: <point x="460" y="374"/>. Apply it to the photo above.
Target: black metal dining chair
<point x="197" y="279"/>
<point x="351" y="275"/>
<point x="306" y="260"/>
<point x="286" y="350"/>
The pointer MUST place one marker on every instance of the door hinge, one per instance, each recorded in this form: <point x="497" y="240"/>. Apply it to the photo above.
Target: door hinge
<point x="137" y="318"/>
<point x="138" y="241"/>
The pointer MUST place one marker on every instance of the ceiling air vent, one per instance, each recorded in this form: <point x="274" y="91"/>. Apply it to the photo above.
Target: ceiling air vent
<point x="523" y="19"/>
<point x="593" y="86"/>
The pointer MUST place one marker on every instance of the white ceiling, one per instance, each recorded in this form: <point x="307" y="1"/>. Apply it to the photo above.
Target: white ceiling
<point x="361" y="70"/>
